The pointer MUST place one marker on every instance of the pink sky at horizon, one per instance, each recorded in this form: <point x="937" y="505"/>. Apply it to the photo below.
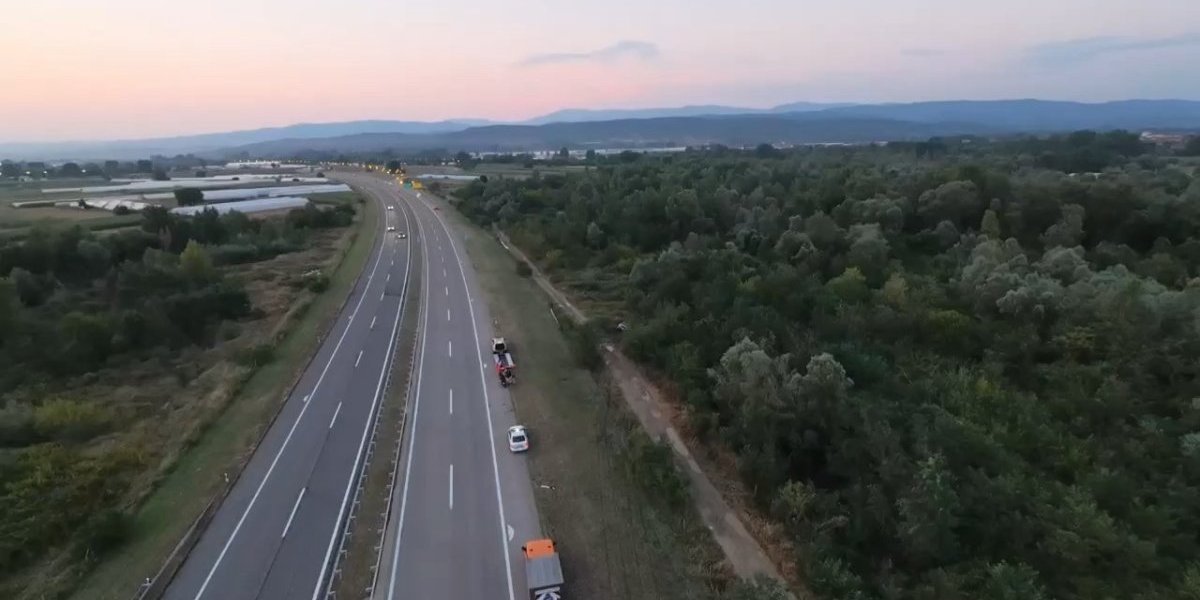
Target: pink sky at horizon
<point x="77" y="69"/>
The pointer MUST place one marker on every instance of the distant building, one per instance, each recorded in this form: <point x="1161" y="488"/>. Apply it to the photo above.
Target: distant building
<point x="1170" y="140"/>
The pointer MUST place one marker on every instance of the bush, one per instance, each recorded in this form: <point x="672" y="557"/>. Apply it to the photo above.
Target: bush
<point x="523" y="269"/>
<point x="317" y="283"/>
<point x="652" y="468"/>
<point x="256" y="355"/>
<point x="584" y="343"/>
<point x="16" y="425"/>
<point x="104" y="532"/>
<point x="71" y="420"/>
<point x="121" y="211"/>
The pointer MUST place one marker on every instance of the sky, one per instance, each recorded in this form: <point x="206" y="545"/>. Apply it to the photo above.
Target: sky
<point x="122" y="69"/>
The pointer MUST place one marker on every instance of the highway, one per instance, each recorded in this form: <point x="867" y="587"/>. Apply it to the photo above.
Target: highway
<point x="462" y="504"/>
<point x="274" y="533"/>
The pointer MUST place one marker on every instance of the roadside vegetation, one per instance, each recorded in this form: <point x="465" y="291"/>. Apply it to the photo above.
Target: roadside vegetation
<point x="948" y="369"/>
<point x="608" y="495"/>
<point x="117" y="351"/>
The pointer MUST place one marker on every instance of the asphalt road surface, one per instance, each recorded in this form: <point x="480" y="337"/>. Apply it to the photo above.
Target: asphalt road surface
<point x="463" y="503"/>
<point x="273" y="535"/>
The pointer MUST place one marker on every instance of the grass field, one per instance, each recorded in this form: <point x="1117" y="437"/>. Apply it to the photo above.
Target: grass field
<point x="196" y="475"/>
<point x="615" y="539"/>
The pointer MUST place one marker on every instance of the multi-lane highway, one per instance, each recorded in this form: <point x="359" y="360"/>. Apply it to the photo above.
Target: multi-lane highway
<point x="462" y="503"/>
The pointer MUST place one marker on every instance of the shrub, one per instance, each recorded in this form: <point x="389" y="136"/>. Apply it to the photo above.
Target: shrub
<point x="104" y="532"/>
<point x="256" y="355"/>
<point x="71" y="420"/>
<point x="523" y="269"/>
<point x="652" y="468"/>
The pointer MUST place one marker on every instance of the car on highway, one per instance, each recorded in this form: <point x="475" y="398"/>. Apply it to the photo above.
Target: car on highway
<point x="518" y="439"/>
<point x="391" y="227"/>
<point x="401" y="235"/>
<point x="390" y="207"/>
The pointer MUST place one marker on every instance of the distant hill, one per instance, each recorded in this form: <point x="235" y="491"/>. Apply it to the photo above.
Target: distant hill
<point x="130" y="149"/>
<point x="685" y="125"/>
<point x="1039" y="115"/>
<point x="579" y="115"/>
<point x="738" y="130"/>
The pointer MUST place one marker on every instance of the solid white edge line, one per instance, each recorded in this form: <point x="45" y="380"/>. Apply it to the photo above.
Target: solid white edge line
<point x="288" y="438"/>
<point x="487" y="410"/>
<point x="295" y="507"/>
<point x="336" y="411"/>
<point x="412" y="438"/>
<point x="366" y="430"/>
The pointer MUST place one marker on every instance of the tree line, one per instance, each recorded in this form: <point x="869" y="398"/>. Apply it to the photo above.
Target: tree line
<point x="950" y="369"/>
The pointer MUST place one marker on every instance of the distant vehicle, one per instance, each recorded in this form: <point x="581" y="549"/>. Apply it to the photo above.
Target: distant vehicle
<point x="543" y="571"/>
<point x="499" y="345"/>
<point x="391" y="227"/>
<point x="437" y="208"/>
<point x="390" y="207"/>
<point x="518" y="438"/>
<point x="401" y="235"/>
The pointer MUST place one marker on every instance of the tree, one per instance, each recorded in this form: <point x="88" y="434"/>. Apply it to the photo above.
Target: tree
<point x="145" y="166"/>
<point x="1192" y="147"/>
<point x="563" y="153"/>
<point x="189" y="196"/>
<point x="161" y="175"/>
<point x="758" y="588"/>
<point x="10" y="169"/>
<point x="111" y="167"/>
<point x="957" y="202"/>
<point x="990" y="226"/>
<point x="195" y="264"/>
<point x="70" y="169"/>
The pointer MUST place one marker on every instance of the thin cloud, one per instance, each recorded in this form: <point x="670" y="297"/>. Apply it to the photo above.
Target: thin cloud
<point x="623" y="49"/>
<point x="923" y="52"/>
<point x="1086" y="49"/>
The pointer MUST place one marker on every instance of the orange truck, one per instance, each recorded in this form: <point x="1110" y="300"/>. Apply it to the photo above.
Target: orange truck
<point x="543" y="572"/>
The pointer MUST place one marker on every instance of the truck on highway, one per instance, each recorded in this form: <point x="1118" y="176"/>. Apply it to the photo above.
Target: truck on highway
<point x="506" y="369"/>
<point x="543" y="572"/>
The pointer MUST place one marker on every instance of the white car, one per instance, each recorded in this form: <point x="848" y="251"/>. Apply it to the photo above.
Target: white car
<point x="518" y="439"/>
<point x="391" y="227"/>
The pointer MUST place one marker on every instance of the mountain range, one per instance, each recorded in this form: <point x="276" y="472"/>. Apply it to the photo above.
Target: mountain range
<point x="800" y="122"/>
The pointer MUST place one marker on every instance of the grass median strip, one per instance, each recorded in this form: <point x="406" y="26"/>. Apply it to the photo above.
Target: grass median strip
<point x="226" y="444"/>
<point x="357" y="567"/>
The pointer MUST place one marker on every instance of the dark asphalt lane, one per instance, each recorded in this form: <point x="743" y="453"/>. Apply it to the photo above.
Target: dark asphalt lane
<point x="274" y="534"/>
<point x="463" y="504"/>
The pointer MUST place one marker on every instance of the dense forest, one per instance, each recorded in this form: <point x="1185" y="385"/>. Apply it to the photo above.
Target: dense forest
<point x="74" y="304"/>
<point x="951" y="369"/>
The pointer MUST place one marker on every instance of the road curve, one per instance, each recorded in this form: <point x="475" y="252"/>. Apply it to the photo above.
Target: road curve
<point x="276" y="530"/>
<point x="462" y="504"/>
